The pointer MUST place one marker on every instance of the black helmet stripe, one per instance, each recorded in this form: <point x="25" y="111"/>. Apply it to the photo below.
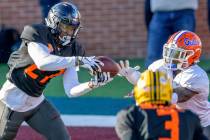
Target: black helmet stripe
<point x="158" y="85"/>
<point x="155" y="86"/>
<point x="150" y="85"/>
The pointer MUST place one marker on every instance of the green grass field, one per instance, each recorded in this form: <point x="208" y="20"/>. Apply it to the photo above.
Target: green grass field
<point x="116" y="89"/>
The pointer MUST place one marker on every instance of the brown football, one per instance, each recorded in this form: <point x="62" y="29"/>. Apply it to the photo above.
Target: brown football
<point x="109" y="65"/>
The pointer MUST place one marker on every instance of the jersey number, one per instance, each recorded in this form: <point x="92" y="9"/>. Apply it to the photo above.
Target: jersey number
<point x="30" y="72"/>
<point x="172" y="125"/>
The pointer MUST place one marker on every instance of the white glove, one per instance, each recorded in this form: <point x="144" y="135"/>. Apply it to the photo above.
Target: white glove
<point x="90" y="63"/>
<point x="100" y="79"/>
<point x="131" y="74"/>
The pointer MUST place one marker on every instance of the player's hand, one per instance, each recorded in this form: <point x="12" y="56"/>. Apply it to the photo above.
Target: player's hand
<point x="90" y="63"/>
<point x="131" y="74"/>
<point x="125" y="69"/>
<point x="100" y="79"/>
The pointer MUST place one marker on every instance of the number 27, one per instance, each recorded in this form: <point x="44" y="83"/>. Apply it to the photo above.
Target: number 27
<point x="30" y="71"/>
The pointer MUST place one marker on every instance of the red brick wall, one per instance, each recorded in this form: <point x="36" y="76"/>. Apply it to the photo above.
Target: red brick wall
<point x="111" y="27"/>
<point x="202" y="28"/>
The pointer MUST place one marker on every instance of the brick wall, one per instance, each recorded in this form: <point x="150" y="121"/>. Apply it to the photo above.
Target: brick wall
<point x="111" y="27"/>
<point x="202" y="28"/>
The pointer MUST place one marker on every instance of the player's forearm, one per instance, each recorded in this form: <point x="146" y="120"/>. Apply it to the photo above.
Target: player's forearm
<point x="52" y="62"/>
<point x="184" y="94"/>
<point x="46" y="61"/>
<point x="72" y="86"/>
<point x="79" y="90"/>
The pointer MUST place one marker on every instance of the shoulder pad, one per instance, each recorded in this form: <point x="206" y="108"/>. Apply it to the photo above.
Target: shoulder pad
<point x="35" y="33"/>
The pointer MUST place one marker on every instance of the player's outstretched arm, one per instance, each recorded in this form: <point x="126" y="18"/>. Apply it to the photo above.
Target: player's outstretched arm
<point x="49" y="62"/>
<point x="73" y="88"/>
<point x="46" y="61"/>
<point x="131" y="74"/>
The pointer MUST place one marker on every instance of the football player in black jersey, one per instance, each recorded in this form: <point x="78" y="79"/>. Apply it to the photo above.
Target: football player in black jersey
<point x="153" y="117"/>
<point x="46" y="51"/>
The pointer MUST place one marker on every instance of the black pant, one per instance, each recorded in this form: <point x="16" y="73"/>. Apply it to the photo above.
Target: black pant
<point x="45" y="119"/>
<point x="206" y="131"/>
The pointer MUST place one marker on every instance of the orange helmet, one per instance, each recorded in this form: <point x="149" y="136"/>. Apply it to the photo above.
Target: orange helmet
<point x="182" y="50"/>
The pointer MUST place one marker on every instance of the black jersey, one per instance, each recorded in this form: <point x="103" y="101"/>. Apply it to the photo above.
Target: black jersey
<point x="23" y="71"/>
<point x="158" y="123"/>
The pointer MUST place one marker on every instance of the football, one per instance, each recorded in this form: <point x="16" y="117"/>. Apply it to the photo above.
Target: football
<point x="109" y="65"/>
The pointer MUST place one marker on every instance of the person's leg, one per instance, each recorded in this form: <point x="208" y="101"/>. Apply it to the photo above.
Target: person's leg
<point x="10" y="122"/>
<point x="184" y="20"/>
<point x="46" y="121"/>
<point x="147" y="13"/>
<point x="206" y="131"/>
<point x="208" y="7"/>
<point x="159" y="31"/>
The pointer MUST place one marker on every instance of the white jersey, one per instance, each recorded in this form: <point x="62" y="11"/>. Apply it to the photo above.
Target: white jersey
<point x="16" y="99"/>
<point x="195" y="79"/>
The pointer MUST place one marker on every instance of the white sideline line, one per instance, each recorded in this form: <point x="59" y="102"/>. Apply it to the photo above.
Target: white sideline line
<point x="88" y="120"/>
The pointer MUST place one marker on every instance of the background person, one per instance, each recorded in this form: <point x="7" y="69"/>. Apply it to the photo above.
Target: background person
<point x="168" y="17"/>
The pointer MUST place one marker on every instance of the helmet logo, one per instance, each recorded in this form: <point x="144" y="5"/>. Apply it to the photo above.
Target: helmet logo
<point x="189" y="42"/>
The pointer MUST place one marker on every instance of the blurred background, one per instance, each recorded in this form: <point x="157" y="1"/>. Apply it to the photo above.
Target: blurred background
<point x="116" y="28"/>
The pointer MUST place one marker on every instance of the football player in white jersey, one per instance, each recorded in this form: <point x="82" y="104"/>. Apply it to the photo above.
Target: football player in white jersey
<point x="181" y="54"/>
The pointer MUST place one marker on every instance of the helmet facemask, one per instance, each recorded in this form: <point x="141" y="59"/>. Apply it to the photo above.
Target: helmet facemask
<point x="176" y="58"/>
<point x="67" y="33"/>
